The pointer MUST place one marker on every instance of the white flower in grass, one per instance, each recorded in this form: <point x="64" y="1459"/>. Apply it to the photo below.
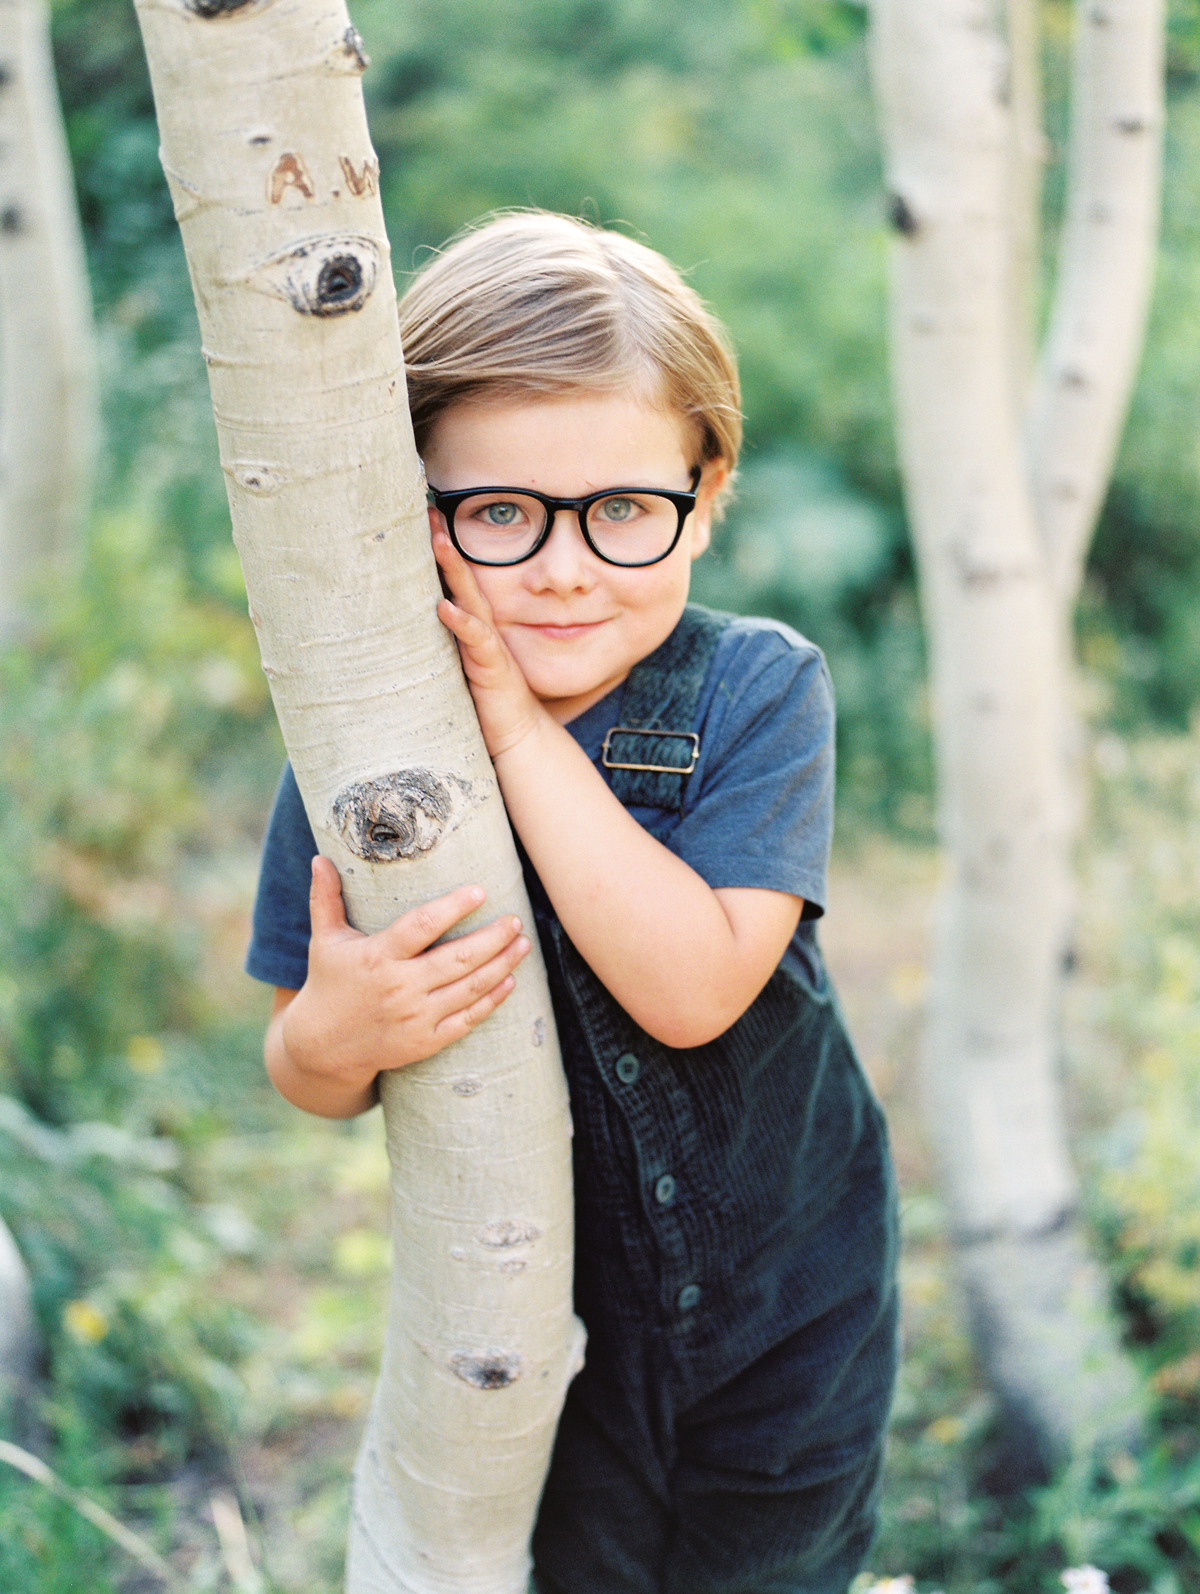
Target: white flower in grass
<point x="1085" y="1580"/>
<point x="892" y="1585"/>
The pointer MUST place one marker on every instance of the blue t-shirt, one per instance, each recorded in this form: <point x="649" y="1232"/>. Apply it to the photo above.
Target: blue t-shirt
<point x="757" y="810"/>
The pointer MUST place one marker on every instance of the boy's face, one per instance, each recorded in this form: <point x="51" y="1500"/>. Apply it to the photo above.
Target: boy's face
<point x="575" y="625"/>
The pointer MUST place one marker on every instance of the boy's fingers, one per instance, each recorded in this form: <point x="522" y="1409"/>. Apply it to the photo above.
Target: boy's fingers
<point x="450" y="562"/>
<point x="465" y="592"/>
<point x="419" y="928"/>
<point x="325" y="906"/>
<point x="461" y="969"/>
<point x="446" y="554"/>
<point x="466" y="1018"/>
<point x="473" y="632"/>
<point x="488" y="967"/>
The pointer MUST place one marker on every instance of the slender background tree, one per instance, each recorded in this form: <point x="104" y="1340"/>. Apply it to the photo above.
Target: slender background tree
<point x="48" y="417"/>
<point x="1004" y="477"/>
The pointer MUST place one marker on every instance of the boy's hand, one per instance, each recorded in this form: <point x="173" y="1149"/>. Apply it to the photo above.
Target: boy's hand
<point x="506" y="707"/>
<point x="375" y="1002"/>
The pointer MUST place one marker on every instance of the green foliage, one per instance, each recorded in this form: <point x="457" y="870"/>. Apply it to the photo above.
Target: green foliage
<point x="46" y="1547"/>
<point x="104" y="725"/>
<point x="120" y="725"/>
<point x="694" y="126"/>
<point x="160" y="447"/>
<point x="1148" y="1163"/>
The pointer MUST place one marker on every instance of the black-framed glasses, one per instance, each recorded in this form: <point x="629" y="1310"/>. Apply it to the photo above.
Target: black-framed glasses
<point x="628" y="526"/>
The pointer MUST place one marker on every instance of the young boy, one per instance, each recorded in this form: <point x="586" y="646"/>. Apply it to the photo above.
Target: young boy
<point x="668" y="773"/>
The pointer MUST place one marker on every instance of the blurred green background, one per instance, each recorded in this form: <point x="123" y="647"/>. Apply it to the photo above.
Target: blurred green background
<point x="208" y="1266"/>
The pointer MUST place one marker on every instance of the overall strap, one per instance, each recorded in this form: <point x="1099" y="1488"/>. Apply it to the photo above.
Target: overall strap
<point x="654" y="749"/>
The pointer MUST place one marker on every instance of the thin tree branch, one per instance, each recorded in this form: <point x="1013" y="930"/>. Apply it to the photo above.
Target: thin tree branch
<point x="1026" y="161"/>
<point x="33" y="1467"/>
<point x="1082" y="390"/>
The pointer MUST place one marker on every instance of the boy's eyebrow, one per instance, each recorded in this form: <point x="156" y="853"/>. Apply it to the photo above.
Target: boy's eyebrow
<point x="536" y="492"/>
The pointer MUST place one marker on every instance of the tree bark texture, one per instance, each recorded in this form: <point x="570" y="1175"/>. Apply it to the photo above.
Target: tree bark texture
<point x="19" y="1345"/>
<point x="275" y="184"/>
<point x="1027" y="159"/>
<point x="48" y="422"/>
<point x="990" y="555"/>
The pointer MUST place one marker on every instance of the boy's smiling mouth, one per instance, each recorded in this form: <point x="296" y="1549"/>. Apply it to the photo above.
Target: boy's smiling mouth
<point x="563" y="630"/>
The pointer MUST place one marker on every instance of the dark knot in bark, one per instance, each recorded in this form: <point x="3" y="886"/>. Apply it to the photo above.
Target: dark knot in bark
<point x="400" y="815"/>
<point x="323" y="276"/>
<point x="216" y="8"/>
<point x="491" y="1370"/>
<point x="902" y="217"/>
<point x="338" y="285"/>
<point x="353" y="46"/>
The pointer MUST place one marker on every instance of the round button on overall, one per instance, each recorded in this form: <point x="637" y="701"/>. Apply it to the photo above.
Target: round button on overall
<point x="628" y="1068"/>
<point x="689" y="1296"/>
<point x="664" y="1190"/>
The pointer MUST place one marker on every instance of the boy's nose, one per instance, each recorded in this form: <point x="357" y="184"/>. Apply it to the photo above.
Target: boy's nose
<point x="564" y="560"/>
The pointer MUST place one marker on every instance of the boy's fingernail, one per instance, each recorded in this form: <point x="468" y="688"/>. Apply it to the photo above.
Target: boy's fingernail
<point x="476" y="894"/>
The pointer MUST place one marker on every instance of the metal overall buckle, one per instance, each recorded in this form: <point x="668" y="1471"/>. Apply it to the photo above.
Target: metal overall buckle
<point x="650" y="769"/>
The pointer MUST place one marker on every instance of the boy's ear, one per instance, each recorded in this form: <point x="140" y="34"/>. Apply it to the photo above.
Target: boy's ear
<point x="713" y="477"/>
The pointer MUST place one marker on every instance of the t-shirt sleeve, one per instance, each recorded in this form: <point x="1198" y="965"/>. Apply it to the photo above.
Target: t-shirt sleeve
<point x="278" y="951"/>
<point x="762" y="812"/>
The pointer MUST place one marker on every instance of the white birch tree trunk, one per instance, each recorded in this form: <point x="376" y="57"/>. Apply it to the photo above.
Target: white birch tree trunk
<point x="992" y="543"/>
<point x="275" y="184"/>
<point x="48" y="424"/>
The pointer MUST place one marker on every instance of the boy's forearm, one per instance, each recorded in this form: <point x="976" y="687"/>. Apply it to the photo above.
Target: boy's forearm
<point x="658" y="936"/>
<point x="322" y="1095"/>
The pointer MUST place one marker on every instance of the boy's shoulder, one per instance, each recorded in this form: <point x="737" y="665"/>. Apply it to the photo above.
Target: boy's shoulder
<point x="754" y="637"/>
<point x="764" y="657"/>
<point x="765" y="691"/>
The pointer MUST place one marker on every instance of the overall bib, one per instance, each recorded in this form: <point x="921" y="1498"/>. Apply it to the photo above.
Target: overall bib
<point x="735" y="1257"/>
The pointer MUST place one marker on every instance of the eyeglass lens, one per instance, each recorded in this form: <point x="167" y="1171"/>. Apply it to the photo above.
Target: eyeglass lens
<point x="627" y="528"/>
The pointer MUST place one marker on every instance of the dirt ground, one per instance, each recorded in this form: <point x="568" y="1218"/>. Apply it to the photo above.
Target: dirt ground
<point x="875" y="937"/>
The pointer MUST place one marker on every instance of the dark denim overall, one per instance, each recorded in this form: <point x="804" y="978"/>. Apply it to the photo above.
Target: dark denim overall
<point x="735" y="1258"/>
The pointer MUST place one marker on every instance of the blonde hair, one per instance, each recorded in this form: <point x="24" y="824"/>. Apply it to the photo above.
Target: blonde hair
<point x="527" y="304"/>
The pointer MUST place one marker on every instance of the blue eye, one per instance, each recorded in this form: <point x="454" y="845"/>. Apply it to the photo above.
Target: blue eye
<point x="503" y="515"/>
<point x="616" y="510"/>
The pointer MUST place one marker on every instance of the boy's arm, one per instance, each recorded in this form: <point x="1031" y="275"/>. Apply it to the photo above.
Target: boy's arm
<point x="327" y="1098"/>
<point x="374" y="1002"/>
<point x="684" y="960"/>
